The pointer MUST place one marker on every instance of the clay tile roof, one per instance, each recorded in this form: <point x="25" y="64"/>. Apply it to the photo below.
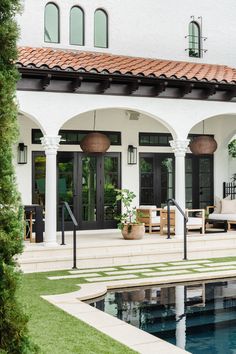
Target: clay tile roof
<point x="103" y="62"/>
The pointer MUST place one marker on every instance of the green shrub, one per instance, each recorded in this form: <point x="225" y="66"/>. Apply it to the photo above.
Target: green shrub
<point x="232" y="148"/>
<point x="13" y="322"/>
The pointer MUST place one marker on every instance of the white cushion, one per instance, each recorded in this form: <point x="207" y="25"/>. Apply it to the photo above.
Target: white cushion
<point x="156" y="220"/>
<point x="231" y="217"/>
<point x="194" y="221"/>
<point x="217" y="208"/>
<point x="218" y="204"/>
<point x="228" y="206"/>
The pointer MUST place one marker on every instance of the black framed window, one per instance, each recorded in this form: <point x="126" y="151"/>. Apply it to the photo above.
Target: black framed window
<point x="154" y="139"/>
<point x="161" y="139"/>
<point x="74" y="137"/>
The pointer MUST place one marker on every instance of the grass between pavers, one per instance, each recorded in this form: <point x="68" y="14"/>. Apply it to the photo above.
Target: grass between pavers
<point x="223" y="259"/>
<point x="55" y="331"/>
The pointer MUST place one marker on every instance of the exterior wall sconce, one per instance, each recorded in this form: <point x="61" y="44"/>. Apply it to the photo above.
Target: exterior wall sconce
<point x="22" y="154"/>
<point x="132" y="155"/>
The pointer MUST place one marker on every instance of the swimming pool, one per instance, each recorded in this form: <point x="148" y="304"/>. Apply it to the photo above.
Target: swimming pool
<point x="199" y="317"/>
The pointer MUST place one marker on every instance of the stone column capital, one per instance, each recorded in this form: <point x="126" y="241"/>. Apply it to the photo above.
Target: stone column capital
<point x="179" y="147"/>
<point x="50" y="144"/>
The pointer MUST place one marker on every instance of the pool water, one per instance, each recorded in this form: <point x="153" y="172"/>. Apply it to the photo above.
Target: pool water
<point x="200" y="318"/>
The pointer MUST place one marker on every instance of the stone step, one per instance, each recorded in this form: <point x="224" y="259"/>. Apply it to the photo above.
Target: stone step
<point x="90" y="260"/>
<point x="108" y="248"/>
<point x="38" y="251"/>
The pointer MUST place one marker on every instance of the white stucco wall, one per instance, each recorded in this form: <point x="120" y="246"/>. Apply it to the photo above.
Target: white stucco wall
<point x="153" y="28"/>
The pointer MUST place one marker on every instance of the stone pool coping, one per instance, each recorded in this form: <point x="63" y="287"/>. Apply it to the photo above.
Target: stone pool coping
<point x="135" y="338"/>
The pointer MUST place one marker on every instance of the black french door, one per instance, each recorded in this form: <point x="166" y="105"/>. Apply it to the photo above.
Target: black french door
<point x="86" y="183"/>
<point x="157" y="180"/>
<point x="199" y="181"/>
<point x="97" y="178"/>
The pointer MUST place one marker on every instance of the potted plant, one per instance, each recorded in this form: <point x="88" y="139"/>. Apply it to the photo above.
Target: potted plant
<point x="131" y="229"/>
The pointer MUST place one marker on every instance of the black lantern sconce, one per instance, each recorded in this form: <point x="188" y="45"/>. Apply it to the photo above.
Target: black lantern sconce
<point x="132" y="155"/>
<point x="22" y="154"/>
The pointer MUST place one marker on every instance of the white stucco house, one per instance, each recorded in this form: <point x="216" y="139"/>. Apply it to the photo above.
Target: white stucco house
<point x="154" y="74"/>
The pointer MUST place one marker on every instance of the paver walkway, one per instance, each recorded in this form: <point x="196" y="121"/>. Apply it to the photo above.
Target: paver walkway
<point x="149" y="270"/>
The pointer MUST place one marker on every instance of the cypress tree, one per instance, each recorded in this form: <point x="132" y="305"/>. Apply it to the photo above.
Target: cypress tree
<point x="13" y="322"/>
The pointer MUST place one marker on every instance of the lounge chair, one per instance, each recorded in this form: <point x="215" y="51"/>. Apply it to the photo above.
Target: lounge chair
<point x="194" y="222"/>
<point x="150" y="216"/>
<point x="224" y="209"/>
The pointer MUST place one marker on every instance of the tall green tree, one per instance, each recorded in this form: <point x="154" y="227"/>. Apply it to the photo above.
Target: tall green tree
<point x="13" y="322"/>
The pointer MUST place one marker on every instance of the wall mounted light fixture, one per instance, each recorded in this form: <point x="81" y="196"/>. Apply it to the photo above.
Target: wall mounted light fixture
<point x="21" y="154"/>
<point x="132" y="155"/>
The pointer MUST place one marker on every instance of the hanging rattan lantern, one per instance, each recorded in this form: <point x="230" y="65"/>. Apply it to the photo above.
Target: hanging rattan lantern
<point x="203" y="145"/>
<point x="95" y="142"/>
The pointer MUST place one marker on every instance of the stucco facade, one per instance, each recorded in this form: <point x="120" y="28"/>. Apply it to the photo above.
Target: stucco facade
<point x="156" y="30"/>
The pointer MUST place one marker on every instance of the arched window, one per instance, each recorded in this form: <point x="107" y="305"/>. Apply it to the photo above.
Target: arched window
<point x="100" y="29"/>
<point x="76" y="26"/>
<point x="51" y="23"/>
<point x="194" y="40"/>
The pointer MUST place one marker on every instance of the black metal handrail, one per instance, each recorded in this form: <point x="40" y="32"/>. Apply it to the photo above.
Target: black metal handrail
<point x="173" y="202"/>
<point x="75" y="225"/>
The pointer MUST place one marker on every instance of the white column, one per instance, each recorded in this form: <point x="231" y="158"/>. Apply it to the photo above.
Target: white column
<point x="180" y="317"/>
<point x="179" y="147"/>
<point x="51" y="144"/>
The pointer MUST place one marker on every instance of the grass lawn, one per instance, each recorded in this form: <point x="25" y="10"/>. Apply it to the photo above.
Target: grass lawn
<point x="55" y="331"/>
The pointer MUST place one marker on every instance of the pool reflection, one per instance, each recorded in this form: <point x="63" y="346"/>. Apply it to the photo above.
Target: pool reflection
<point x="200" y="318"/>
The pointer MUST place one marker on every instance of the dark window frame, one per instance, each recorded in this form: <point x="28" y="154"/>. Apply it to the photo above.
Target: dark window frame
<point x="77" y="142"/>
<point x="158" y="135"/>
<point x="168" y="137"/>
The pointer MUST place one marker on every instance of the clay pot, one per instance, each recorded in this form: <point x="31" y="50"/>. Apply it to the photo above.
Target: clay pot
<point x="133" y="231"/>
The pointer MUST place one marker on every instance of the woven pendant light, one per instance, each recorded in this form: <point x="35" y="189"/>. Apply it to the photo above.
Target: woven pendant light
<point x="95" y="142"/>
<point x="203" y="144"/>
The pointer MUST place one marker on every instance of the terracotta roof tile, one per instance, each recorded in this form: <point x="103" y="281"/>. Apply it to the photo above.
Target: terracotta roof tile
<point x="100" y="62"/>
